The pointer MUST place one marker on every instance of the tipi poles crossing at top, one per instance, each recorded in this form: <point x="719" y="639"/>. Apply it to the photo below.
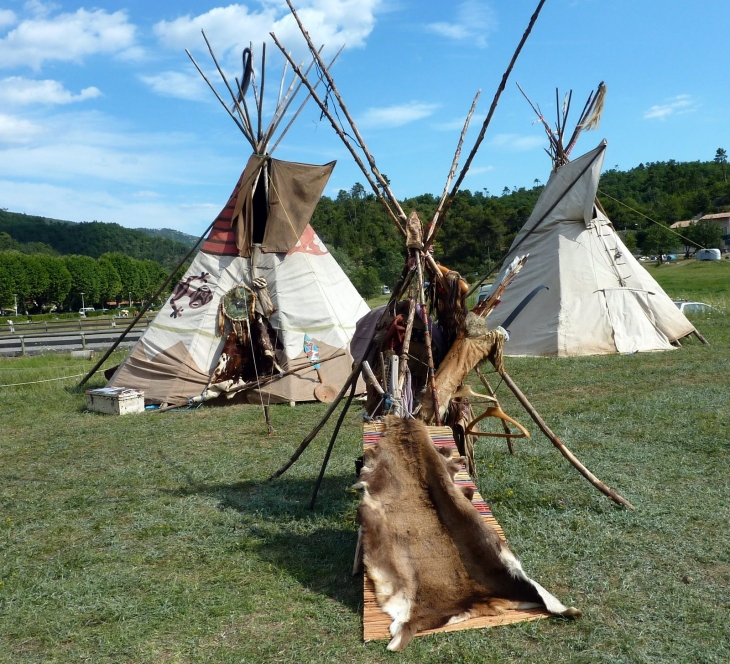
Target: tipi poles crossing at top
<point x="259" y="136"/>
<point x="436" y="224"/>
<point x="512" y="250"/>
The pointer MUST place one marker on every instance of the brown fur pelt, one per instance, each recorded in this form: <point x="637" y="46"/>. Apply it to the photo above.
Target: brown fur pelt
<point x="451" y="307"/>
<point x="458" y="418"/>
<point x="430" y="554"/>
<point x="463" y="356"/>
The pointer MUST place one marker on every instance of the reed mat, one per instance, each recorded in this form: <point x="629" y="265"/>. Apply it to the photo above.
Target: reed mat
<point x="375" y="621"/>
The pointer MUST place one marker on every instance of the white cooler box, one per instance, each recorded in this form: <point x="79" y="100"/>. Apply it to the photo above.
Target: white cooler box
<point x="115" y="400"/>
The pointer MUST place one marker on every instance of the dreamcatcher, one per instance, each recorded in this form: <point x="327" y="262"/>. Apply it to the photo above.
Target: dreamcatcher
<point x="238" y="307"/>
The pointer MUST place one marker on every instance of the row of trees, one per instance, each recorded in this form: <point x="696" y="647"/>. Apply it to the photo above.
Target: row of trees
<point x="41" y="281"/>
<point x="480" y="226"/>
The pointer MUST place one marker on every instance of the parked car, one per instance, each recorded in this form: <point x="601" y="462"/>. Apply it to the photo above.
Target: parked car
<point x="386" y="290"/>
<point x="84" y="310"/>
<point x="484" y="292"/>
<point x="693" y="307"/>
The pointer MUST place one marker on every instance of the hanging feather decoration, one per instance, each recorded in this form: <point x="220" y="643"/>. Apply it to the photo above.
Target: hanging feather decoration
<point x="594" y="117"/>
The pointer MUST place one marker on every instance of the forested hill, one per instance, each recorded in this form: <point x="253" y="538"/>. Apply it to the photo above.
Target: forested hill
<point x="171" y="234"/>
<point x="480" y="226"/>
<point x="92" y="238"/>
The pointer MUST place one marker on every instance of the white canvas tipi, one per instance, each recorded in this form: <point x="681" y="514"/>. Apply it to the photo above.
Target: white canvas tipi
<point x="599" y="299"/>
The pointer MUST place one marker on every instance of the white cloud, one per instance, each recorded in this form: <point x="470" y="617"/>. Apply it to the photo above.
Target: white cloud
<point x="479" y="170"/>
<point x="18" y="91"/>
<point x="17" y="130"/>
<point x="38" y="8"/>
<point x="231" y="28"/>
<point x="178" y="84"/>
<point x="678" y="105"/>
<point x="86" y="165"/>
<point x="458" y="123"/>
<point x="517" y="143"/>
<point x="474" y="21"/>
<point x="66" y="37"/>
<point x="7" y="17"/>
<point x="396" y="116"/>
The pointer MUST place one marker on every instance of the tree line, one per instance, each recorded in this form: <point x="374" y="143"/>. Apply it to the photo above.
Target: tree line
<point x="477" y="231"/>
<point x="480" y="226"/>
<point x="42" y="282"/>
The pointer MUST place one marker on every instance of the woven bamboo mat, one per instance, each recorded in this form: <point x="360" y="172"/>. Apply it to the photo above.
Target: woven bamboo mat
<point x="375" y="621"/>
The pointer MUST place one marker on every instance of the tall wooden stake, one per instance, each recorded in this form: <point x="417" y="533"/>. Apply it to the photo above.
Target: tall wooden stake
<point x="487" y="121"/>
<point x="603" y="488"/>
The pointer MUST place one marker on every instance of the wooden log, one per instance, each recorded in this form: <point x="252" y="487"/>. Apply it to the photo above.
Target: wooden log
<point x="603" y="488"/>
<point x="406" y="344"/>
<point x="428" y="340"/>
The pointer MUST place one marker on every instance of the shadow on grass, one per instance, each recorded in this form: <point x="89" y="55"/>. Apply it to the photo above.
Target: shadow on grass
<point x="316" y="547"/>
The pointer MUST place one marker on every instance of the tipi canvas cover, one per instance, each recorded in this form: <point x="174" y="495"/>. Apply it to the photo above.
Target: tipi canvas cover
<point x="262" y="236"/>
<point x="599" y="299"/>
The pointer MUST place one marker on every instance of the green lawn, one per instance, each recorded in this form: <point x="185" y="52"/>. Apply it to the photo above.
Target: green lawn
<point x="154" y="538"/>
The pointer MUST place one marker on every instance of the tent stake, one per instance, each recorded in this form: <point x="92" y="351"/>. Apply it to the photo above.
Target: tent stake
<point x="326" y="460"/>
<point x="561" y="446"/>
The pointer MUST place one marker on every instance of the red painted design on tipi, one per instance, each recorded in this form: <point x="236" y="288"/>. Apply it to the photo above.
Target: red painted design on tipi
<point x="309" y="243"/>
<point x="221" y="240"/>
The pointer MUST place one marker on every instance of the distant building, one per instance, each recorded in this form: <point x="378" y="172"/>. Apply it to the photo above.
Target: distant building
<point x="722" y="219"/>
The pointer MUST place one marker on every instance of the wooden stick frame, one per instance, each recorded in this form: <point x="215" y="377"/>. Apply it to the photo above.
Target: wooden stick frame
<point x="395" y="211"/>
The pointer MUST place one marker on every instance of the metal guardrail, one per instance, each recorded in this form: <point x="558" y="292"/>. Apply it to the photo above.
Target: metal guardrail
<point x="68" y="325"/>
<point x="21" y="342"/>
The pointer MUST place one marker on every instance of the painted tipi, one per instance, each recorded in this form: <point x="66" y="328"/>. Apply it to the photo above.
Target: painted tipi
<point x="264" y="311"/>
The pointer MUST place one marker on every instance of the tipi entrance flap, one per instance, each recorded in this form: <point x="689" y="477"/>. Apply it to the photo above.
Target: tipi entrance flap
<point x="242" y="219"/>
<point x="632" y="320"/>
<point x="584" y="327"/>
<point x="295" y="192"/>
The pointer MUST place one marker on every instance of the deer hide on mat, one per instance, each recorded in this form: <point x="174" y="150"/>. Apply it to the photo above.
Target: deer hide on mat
<point x="432" y="558"/>
<point x="465" y="353"/>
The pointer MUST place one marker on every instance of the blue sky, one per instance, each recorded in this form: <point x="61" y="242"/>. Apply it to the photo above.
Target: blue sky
<point x="102" y="116"/>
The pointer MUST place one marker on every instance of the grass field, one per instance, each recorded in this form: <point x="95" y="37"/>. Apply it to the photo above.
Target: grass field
<point x="155" y="538"/>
